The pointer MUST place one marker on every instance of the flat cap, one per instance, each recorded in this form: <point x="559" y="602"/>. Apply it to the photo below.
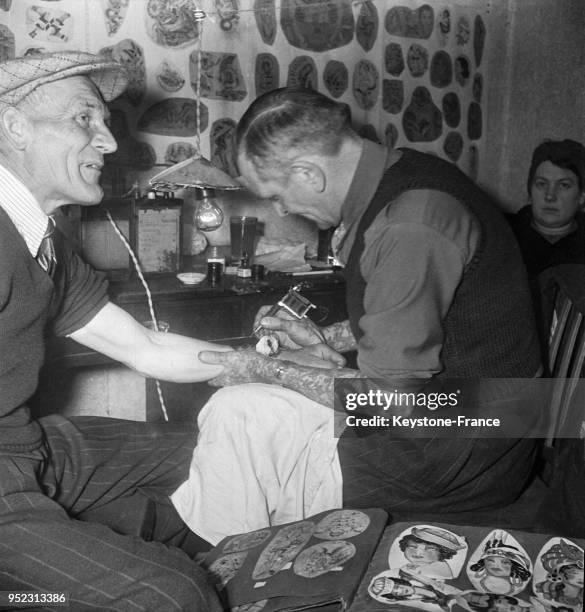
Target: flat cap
<point x="20" y="76"/>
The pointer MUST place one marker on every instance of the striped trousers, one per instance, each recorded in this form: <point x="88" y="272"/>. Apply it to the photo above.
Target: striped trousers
<point x="70" y="517"/>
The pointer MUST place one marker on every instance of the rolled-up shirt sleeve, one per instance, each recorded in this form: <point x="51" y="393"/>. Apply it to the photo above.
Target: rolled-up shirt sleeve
<point x="415" y="256"/>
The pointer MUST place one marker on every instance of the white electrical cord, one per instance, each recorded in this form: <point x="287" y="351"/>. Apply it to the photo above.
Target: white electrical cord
<point x="148" y="296"/>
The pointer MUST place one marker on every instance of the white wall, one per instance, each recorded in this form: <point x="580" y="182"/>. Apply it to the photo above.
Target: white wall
<point x="537" y="87"/>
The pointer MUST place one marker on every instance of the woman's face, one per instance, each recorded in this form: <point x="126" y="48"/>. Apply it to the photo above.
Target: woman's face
<point x="573" y="576"/>
<point x="421" y="553"/>
<point x="498" y="566"/>
<point x="555" y="194"/>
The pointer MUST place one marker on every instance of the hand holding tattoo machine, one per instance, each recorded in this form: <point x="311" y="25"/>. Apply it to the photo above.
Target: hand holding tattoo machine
<point x="295" y="305"/>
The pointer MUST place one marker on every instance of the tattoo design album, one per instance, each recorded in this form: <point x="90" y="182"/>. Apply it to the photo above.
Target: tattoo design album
<point x="313" y="564"/>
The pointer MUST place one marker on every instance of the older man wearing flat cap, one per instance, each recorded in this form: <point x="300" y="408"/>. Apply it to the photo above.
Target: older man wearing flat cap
<point x="65" y="482"/>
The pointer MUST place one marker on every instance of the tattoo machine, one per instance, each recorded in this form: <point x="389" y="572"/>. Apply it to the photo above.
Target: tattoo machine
<point x="293" y="302"/>
<point x="295" y="305"/>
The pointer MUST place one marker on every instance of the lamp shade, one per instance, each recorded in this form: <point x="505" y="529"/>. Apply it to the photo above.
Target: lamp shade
<point x="196" y="172"/>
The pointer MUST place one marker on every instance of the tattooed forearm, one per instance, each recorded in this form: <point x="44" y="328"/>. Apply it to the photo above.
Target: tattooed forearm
<point x="314" y="383"/>
<point x="340" y="337"/>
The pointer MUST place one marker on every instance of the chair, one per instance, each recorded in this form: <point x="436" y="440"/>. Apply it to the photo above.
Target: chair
<point x="563" y="454"/>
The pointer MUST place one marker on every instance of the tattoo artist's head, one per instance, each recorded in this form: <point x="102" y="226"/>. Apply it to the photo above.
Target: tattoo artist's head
<point x="296" y="148"/>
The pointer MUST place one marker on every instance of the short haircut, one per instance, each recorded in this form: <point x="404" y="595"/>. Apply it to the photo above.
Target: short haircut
<point x="292" y="118"/>
<point x="567" y="154"/>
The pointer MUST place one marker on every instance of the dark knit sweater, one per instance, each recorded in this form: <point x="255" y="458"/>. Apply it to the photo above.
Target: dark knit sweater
<point x="540" y="254"/>
<point x="489" y="329"/>
<point x="31" y="303"/>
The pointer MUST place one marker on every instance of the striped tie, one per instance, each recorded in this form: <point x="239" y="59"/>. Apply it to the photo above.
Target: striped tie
<point x="46" y="254"/>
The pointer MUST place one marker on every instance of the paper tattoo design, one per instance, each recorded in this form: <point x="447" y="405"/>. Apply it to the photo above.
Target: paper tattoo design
<point x="7" y="48"/>
<point x="131" y="56"/>
<point x="478" y="39"/>
<point x="392" y="95"/>
<point x="171" y="23"/>
<point x="477" y="87"/>
<point x="369" y="131"/>
<point x="246" y="541"/>
<point x="50" y="25"/>
<point x="558" y="575"/>
<point x="462" y="31"/>
<point x="443" y="26"/>
<point x="173" y="117"/>
<point x="302" y="72"/>
<point x="441" y="69"/>
<point x="221" y="76"/>
<point x="223" y="145"/>
<point x="390" y="135"/>
<point x="223" y="569"/>
<point x="114" y="14"/>
<point x="265" y="14"/>
<point x="474" y="121"/>
<point x="336" y="78"/>
<point x="169" y="77"/>
<point x="177" y="152"/>
<point x="422" y="120"/>
<point x="366" y="28"/>
<point x="366" y="84"/>
<point x="282" y="549"/>
<point x="453" y="146"/>
<point x="417" y="60"/>
<point x="430" y="551"/>
<point x="322" y="558"/>
<point x="342" y="524"/>
<point x="317" y="25"/>
<point x="410" y="23"/>
<point x="462" y="70"/>
<point x="228" y="14"/>
<point x="393" y="59"/>
<point x="451" y="109"/>
<point x="499" y="565"/>
<point x="266" y="74"/>
<point x="402" y="588"/>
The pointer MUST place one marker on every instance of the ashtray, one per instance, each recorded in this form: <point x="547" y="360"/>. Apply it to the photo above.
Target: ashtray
<point x="191" y="278"/>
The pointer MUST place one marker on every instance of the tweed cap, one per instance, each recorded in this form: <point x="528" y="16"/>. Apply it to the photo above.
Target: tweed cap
<point x="20" y="76"/>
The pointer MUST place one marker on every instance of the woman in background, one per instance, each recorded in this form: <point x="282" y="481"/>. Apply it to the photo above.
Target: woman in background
<point x="551" y="228"/>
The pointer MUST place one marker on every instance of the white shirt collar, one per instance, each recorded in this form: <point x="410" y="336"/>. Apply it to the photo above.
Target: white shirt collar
<point x="23" y="209"/>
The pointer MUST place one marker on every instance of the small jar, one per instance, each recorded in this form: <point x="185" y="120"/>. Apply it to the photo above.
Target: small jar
<point x="214" y="256"/>
<point x="244" y="270"/>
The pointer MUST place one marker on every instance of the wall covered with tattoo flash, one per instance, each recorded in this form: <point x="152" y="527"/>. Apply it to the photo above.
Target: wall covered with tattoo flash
<point x="412" y="72"/>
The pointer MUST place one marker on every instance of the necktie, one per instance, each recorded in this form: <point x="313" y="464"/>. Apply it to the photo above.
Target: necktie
<point x="46" y="254"/>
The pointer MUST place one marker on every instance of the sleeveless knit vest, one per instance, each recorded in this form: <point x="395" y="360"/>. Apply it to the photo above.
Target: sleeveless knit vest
<point x="489" y="330"/>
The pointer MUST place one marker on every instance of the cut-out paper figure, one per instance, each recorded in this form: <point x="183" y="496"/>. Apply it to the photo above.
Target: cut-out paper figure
<point x="427" y="550"/>
<point x="414" y="591"/>
<point x="500" y="565"/>
<point x="562" y="582"/>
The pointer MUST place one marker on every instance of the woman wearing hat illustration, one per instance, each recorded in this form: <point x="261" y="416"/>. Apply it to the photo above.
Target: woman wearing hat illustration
<point x="502" y="569"/>
<point x="563" y="563"/>
<point x="393" y="589"/>
<point x="427" y="548"/>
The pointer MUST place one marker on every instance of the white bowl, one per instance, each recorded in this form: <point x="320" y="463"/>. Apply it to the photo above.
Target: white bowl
<point x="191" y="278"/>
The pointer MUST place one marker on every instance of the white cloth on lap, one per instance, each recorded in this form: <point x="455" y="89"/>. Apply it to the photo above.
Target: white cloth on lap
<point x="265" y="455"/>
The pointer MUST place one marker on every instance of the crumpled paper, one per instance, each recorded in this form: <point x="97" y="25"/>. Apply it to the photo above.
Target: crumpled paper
<point x="281" y="256"/>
